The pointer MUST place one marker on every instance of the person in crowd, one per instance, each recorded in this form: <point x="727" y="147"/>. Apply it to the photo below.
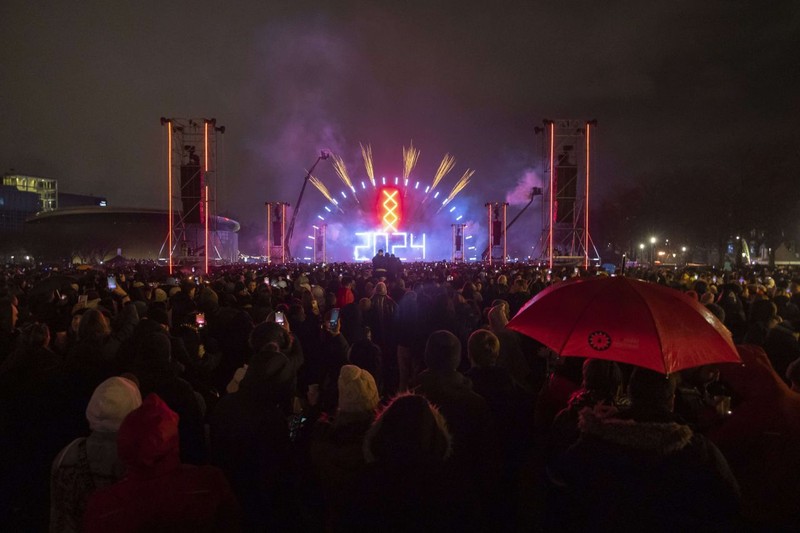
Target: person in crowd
<point x="90" y="463"/>
<point x="157" y="373"/>
<point x="380" y="319"/>
<point x="158" y="492"/>
<point x="337" y="441"/>
<point x="475" y="451"/>
<point x="32" y="362"/>
<point x="250" y="436"/>
<point x="345" y="296"/>
<point x="601" y="385"/>
<point x="9" y="314"/>
<point x="760" y="437"/>
<point x="643" y="469"/>
<point x="406" y="485"/>
<point x="410" y="340"/>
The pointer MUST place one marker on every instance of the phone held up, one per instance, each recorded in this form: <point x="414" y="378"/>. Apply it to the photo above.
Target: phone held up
<point x="112" y="283"/>
<point x="200" y="320"/>
<point x="280" y="318"/>
<point x="334" y="321"/>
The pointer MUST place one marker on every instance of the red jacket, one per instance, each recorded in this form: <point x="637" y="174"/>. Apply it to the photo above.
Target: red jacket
<point x="158" y="492"/>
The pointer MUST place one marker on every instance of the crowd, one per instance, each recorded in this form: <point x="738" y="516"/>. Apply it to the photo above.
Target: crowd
<point x="382" y="397"/>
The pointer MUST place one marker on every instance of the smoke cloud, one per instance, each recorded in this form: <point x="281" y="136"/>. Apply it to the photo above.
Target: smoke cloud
<point x="521" y="194"/>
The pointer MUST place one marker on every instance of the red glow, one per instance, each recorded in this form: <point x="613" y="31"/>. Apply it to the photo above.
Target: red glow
<point x="389" y="209"/>
<point x="552" y="183"/>
<point x="169" y="190"/>
<point x="586" y="207"/>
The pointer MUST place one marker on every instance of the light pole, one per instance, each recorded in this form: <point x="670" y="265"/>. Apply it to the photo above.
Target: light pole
<point x="652" y="250"/>
<point x="641" y="251"/>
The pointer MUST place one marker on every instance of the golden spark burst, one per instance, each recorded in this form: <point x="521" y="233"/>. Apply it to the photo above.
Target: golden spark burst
<point x="457" y="188"/>
<point x="410" y="156"/>
<point x="341" y="171"/>
<point x="447" y="164"/>
<point x="323" y="189"/>
<point x="366" y="153"/>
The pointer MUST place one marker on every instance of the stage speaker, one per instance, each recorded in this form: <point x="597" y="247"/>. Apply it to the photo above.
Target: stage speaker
<point x="192" y="193"/>
<point x="497" y="232"/>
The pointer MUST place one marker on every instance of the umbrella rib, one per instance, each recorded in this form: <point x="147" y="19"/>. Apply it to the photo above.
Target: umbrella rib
<point x="652" y="318"/>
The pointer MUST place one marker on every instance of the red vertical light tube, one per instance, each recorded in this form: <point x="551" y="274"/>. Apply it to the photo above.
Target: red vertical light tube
<point x="586" y="206"/>
<point x="169" y="191"/>
<point x="205" y="199"/>
<point x="552" y="182"/>
<point x="269" y="231"/>
<point x="206" y="221"/>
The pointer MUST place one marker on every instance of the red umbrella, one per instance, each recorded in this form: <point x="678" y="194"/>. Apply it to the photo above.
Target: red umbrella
<point x="626" y="320"/>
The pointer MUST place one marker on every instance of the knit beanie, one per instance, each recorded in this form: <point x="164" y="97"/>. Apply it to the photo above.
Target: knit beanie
<point x="111" y="402"/>
<point x="159" y="295"/>
<point x="357" y="390"/>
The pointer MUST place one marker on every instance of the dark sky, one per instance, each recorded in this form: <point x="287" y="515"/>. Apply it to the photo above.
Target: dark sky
<point x="673" y="85"/>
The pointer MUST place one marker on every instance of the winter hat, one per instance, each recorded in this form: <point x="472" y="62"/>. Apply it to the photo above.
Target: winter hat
<point x="159" y="295"/>
<point x="111" y="402"/>
<point x="357" y="390"/>
<point x="174" y="290"/>
<point x="380" y="288"/>
<point x="443" y="352"/>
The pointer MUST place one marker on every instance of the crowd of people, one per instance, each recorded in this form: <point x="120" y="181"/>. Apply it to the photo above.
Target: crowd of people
<point x="383" y="397"/>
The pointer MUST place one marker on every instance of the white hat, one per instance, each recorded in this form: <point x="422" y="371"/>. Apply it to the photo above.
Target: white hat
<point x="111" y="402"/>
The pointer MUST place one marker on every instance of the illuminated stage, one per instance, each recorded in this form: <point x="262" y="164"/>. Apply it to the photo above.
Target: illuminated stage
<point x="404" y="216"/>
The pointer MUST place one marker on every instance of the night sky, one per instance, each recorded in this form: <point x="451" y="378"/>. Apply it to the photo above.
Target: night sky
<point x="673" y="85"/>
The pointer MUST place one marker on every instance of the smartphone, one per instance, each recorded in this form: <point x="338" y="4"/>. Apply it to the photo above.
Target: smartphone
<point x="266" y="281"/>
<point x="83" y="298"/>
<point x="200" y="320"/>
<point x="334" y="317"/>
<point x="112" y="282"/>
<point x="280" y="318"/>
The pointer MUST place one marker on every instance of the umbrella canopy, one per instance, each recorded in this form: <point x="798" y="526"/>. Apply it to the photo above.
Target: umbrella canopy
<point x="626" y="320"/>
<point x="56" y="282"/>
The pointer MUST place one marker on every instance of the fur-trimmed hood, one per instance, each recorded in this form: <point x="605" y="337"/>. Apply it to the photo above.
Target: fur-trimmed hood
<point x="662" y="438"/>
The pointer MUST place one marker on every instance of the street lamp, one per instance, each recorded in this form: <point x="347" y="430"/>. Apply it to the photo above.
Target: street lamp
<point x="652" y="250"/>
<point x="641" y="251"/>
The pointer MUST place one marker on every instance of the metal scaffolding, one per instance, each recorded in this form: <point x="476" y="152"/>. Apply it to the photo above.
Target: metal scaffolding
<point x="565" y="219"/>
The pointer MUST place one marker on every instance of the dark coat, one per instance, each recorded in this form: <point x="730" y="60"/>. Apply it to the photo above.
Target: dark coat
<point x="642" y="472"/>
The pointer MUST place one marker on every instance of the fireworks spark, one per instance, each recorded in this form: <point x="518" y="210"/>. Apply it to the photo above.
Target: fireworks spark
<point x="410" y="156"/>
<point x="447" y="164"/>
<point x="341" y="171"/>
<point x="457" y="188"/>
<point x="366" y="153"/>
<point x="324" y="190"/>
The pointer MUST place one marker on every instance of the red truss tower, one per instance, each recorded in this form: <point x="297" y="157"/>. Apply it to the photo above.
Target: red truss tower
<point x="567" y="159"/>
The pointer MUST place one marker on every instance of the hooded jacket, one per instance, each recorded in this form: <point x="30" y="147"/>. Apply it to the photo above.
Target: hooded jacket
<point x="760" y="439"/>
<point x="642" y="471"/>
<point x="159" y="493"/>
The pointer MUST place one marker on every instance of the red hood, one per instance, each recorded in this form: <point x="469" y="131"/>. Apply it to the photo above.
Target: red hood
<point x="755" y="377"/>
<point x="147" y="442"/>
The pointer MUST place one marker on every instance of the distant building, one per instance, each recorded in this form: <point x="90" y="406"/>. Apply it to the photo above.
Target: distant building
<point x="66" y="199"/>
<point x="15" y="207"/>
<point x="94" y="234"/>
<point x="45" y="188"/>
<point x="24" y="196"/>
